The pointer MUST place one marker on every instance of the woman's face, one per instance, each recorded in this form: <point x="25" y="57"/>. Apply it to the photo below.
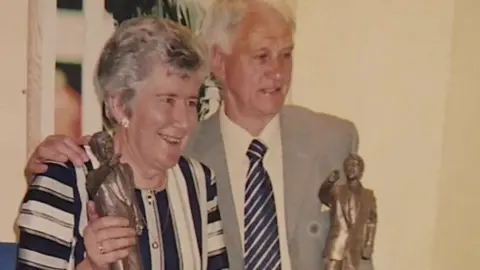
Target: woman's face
<point x="163" y="117"/>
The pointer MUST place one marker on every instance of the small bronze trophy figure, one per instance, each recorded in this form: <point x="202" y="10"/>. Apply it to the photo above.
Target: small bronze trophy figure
<point x="112" y="188"/>
<point x="353" y="217"/>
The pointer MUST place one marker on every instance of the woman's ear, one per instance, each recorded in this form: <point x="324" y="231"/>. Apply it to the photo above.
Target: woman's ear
<point x="217" y="63"/>
<point x="116" y="108"/>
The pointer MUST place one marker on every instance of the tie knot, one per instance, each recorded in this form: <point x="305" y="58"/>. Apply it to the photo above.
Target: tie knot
<point x="256" y="150"/>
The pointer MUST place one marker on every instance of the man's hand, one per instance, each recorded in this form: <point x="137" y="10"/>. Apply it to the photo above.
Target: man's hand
<point x="57" y="148"/>
<point x="334" y="176"/>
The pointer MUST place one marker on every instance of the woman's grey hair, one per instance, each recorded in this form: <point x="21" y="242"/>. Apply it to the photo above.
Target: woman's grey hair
<point x="223" y="16"/>
<point x="139" y="46"/>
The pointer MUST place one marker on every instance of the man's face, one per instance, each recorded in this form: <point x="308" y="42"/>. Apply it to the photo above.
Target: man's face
<point x="256" y="74"/>
<point x="353" y="168"/>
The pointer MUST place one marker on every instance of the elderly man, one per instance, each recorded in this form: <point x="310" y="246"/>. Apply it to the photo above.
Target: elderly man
<point x="270" y="159"/>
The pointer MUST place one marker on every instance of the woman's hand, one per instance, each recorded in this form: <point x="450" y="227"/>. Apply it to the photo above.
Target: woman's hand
<point x="107" y="239"/>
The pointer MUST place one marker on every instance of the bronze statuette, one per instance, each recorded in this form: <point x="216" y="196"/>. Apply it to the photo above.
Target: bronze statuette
<point x="353" y="216"/>
<point x="112" y="188"/>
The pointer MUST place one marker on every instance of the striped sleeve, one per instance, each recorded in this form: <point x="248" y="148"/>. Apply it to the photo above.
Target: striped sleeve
<point x="46" y="220"/>
<point x="217" y="253"/>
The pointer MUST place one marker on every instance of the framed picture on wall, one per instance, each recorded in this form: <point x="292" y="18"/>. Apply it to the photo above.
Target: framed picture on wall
<point x="68" y="69"/>
<point x="65" y="38"/>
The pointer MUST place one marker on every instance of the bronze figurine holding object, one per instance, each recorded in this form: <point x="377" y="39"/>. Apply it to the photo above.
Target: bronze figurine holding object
<point x="353" y="217"/>
<point x="112" y="188"/>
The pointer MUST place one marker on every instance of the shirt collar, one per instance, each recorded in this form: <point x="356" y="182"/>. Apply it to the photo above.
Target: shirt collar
<point x="233" y="134"/>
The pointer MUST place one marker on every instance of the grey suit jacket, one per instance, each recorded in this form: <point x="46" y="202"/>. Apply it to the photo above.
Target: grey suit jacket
<point x="313" y="145"/>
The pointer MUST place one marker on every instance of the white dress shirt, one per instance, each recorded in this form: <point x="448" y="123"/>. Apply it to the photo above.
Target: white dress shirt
<point x="236" y="142"/>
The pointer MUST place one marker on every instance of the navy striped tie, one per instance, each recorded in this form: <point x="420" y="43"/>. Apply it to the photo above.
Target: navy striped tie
<point x="262" y="245"/>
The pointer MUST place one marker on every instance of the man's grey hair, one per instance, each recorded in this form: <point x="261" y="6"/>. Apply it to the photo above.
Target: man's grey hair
<point x="223" y="16"/>
<point x="137" y="48"/>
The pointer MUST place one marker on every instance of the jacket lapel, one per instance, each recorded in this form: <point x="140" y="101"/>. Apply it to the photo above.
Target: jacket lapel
<point x="207" y="146"/>
<point x="297" y="170"/>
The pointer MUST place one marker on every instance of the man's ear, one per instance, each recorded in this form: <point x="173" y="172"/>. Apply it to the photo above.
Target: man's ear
<point x="217" y="62"/>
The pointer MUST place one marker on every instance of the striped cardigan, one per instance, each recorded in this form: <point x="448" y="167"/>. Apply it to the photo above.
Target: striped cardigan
<point x="52" y="219"/>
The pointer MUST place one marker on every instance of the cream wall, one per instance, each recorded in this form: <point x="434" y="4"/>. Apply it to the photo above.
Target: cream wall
<point x="457" y="240"/>
<point x="389" y="67"/>
<point x="395" y="68"/>
<point x="13" y="67"/>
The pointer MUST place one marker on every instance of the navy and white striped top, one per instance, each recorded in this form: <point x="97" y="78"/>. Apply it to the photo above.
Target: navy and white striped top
<point x="51" y="233"/>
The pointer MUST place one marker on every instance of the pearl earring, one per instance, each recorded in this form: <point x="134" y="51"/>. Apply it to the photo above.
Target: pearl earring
<point x="124" y="122"/>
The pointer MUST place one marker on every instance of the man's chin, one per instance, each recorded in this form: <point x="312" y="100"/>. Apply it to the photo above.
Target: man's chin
<point x="271" y="109"/>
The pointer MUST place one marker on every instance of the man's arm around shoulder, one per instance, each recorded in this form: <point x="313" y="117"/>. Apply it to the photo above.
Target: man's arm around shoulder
<point x="343" y="126"/>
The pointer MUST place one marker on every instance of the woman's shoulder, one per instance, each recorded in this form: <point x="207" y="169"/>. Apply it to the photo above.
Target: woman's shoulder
<point x="59" y="185"/>
<point x="49" y="214"/>
<point x="65" y="174"/>
<point x="55" y="192"/>
<point x="196" y="171"/>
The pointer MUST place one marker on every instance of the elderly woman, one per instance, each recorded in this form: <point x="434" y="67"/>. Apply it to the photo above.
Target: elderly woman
<point x="148" y="76"/>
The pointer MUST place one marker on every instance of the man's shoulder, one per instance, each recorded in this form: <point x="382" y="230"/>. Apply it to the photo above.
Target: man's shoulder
<point x="338" y="189"/>
<point x="301" y="117"/>
<point x="207" y="132"/>
<point x="369" y="192"/>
